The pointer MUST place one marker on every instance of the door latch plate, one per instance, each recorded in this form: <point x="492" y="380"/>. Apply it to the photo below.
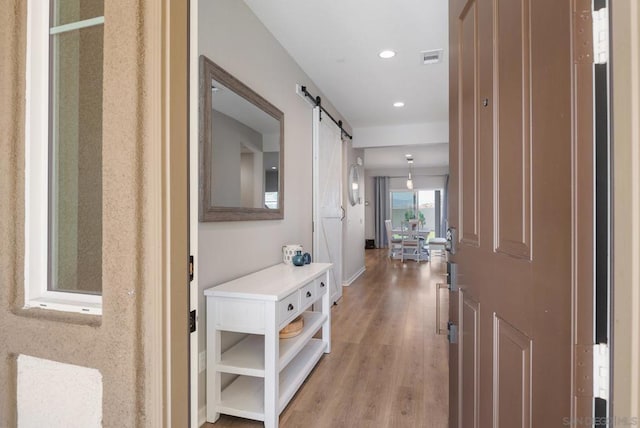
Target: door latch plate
<point x="452" y="334"/>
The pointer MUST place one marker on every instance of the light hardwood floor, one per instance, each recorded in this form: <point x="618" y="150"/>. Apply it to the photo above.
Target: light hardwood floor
<point x="387" y="367"/>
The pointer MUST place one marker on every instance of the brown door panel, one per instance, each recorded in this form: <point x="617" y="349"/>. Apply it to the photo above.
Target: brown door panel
<point x="511" y="376"/>
<point x="469" y="371"/>
<point x="467" y="28"/>
<point x="512" y="139"/>
<point x="511" y="190"/>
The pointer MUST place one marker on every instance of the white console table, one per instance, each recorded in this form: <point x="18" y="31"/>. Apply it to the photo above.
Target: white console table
<point x="270" y="370"/>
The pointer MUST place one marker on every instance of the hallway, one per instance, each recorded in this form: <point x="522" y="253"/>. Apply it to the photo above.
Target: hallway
<point x="387" y="368"/>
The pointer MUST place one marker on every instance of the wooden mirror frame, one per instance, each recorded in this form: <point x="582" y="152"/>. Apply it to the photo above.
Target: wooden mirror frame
<point x="211" y="71"/>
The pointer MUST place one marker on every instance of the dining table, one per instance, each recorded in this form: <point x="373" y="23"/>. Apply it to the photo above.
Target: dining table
<point x="412" y="231"/>
<point x="408" y="232"/>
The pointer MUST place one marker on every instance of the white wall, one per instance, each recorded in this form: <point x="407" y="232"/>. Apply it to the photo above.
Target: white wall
<point x="423" y="178"/>
<point x="428" y="182"/>
<point x="232" y="37"/>
<point x="409" y="134"/>
<point x="353" y="224"/>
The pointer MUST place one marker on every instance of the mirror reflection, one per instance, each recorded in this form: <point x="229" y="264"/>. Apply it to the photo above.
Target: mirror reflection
<point x="245" y="154"/>
<point x="242" y="147"/>
<point x="354" y="185"/>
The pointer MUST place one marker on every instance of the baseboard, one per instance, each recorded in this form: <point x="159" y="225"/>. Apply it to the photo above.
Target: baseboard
<point x="202" y="416"/>
<point x="354" y="277"/>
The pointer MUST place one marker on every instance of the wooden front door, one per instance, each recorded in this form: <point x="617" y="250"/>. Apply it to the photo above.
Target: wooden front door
<point x="511" y="191"/>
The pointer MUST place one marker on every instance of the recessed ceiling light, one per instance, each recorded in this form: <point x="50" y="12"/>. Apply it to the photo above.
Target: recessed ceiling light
<point x="386" y="54"/>
<point x="274" y="167"/>
<point x="398" y="104"/>
<point x="408" y="155"/>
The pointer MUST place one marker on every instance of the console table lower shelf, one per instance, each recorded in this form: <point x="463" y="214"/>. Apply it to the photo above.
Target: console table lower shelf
<point x="244" y="397"/>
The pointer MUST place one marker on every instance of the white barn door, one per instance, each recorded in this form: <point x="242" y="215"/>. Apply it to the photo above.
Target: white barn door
<point x="327" y="197"/>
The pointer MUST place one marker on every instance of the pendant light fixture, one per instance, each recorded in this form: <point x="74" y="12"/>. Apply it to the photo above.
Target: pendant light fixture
<point x="410" y="179"/>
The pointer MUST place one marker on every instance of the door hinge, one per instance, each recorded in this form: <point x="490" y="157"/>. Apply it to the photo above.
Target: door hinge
<point x="601" y="371"/>
<point x="452" y="334"/>
<point x="601" y="36"/>
<point x="191" y="268"/>
<point x="192" y="321"/>
<point x="583" y="366"/>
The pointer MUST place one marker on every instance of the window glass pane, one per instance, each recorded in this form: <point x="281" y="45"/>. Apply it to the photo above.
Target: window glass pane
<point x="402" y="207"/>
<point x="75" y="153"/>
<point x="68" y="11"/>
<point x="427" y="210"/>
<point x="271" y="200"/>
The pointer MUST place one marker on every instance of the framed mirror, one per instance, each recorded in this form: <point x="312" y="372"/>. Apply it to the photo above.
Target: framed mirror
<point x="241" y="150"/>
<point x="354" y="185"/>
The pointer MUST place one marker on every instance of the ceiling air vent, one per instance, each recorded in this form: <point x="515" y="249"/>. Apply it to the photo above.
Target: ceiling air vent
<point x="432" y="56"/>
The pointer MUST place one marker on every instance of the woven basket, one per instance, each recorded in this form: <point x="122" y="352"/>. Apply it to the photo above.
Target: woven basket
<point x="293" y="328"/>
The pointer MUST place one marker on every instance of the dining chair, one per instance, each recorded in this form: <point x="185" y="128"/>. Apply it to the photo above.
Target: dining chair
<point x="439" y="245"/>
<point x="411" y="247"/>
<point x="395" y="244"/>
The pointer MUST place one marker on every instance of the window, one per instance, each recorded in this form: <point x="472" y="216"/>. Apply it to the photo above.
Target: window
<point x="271" y="200"/>
<point x="402" y="207"/>
<point x="424" y="205"/>
<point x="63" y="154"/>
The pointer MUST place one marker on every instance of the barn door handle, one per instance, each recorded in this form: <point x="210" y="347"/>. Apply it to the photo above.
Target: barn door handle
<point x="438" y="288"/>
<point x="343" y="213"/>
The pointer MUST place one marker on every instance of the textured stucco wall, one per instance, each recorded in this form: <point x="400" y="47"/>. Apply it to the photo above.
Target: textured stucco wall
<point x="112" y="342"/>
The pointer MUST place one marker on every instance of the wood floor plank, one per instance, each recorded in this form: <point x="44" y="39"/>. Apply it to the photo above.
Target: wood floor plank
<point x="387" y="367"/>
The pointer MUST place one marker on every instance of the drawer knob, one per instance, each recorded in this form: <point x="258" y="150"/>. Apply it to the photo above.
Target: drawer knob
<point x="308" y="293"/>
<point x="290" y="307"/>
<point x="322" y="285"/>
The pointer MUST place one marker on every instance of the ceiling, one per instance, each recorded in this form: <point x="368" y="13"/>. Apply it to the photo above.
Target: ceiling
<point x="336" y="43"/>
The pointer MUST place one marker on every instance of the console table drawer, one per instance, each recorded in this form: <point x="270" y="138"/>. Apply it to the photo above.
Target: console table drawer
<point x="244" y="316"/>
<point x="289" y="308"/>
<point x="321" y="286"/>
<point x="308" y="294"/>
